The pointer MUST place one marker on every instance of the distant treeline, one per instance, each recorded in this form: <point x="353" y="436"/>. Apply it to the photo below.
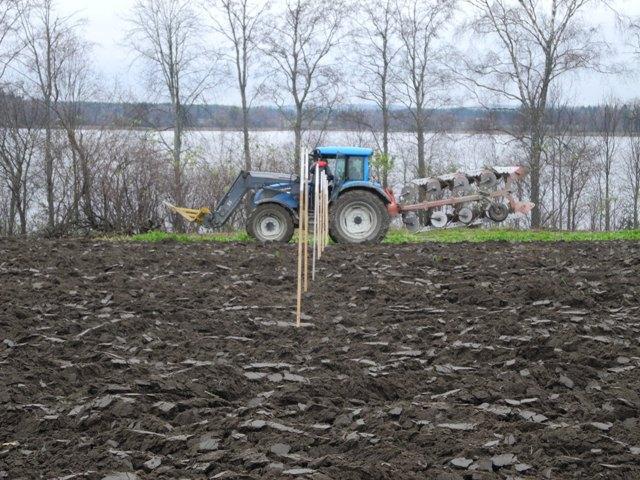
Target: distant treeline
<point x="144" y="115"/>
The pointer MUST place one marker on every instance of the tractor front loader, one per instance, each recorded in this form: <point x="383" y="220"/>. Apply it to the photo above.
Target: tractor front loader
<point x="275" y="202"/>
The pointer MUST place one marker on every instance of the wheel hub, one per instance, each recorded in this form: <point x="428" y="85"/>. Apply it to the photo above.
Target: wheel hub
<point x="359" y="220"/>
<point x="498" y="212"/>
<point x="270" y="227"/>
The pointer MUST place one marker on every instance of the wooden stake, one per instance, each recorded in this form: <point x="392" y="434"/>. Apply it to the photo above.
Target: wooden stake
<point x="316" y="206"/>
<point x="320" y="228"/>
<point x="321" y="216"/>
<point x="300" y="259"/>
<point x="306" y="222"/>
<point x="325" y="211"/>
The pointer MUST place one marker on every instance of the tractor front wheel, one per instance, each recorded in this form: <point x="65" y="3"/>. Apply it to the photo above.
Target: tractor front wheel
<point x="270" y="222"/>
<point x="359" y="216"/>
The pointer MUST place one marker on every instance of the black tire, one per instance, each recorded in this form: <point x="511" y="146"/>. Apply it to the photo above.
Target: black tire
<point x="498" y="212"/>
<point x="355" y="208"/>
<point x="270" y="222"/>
<point x="250" y="231"/>
<point x="249" y="228"/>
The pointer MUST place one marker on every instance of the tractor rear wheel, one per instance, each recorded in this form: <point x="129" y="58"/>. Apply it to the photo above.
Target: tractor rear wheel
<point x="270" y="222"/>
<point x="359" y="216"/>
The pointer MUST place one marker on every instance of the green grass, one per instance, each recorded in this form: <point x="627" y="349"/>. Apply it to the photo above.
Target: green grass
<point x="457" y="235"/>
<point x="454" y="235"/>
<point x="158" y="236"/>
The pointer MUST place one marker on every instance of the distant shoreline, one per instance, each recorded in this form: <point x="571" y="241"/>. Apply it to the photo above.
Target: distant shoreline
<point x="327" y="130"/>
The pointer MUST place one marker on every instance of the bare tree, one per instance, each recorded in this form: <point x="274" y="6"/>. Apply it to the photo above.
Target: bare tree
<point x="421" y="80"/>
<point x="558" y="146"/>
<point x="632" y="163"/>
<point x="377" y="46"/>
<point x="609" y="126"/>
<point x="167" y="36"/>
<point x="578" y="164"/>
<point x="299" y="41"/>
<point x="18" y="145"/>
<point x="570" y="158"/>
<point x="48" y="44"/>
<point x="633" y="28"/>
<point x="75" y="86"/>
<point x="8" y="20"/>
<point x="241" y="25"/>
<point x="533" y="44"/>
<point x="9" y="15"/>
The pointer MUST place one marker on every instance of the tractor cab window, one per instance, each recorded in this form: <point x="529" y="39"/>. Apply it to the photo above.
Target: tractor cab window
<point x="355" y="168"/>
<point x="347" y="168"/>
<point x="338" y="167"/>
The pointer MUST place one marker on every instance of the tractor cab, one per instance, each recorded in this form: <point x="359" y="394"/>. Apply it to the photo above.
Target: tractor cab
<point x="346" y="166"/>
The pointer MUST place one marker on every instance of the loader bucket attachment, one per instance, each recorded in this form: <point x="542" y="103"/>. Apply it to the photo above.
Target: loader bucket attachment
<point x="189" y="214"/>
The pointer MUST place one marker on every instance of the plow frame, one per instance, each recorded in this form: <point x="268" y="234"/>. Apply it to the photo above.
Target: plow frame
<point x="515" y="205"/>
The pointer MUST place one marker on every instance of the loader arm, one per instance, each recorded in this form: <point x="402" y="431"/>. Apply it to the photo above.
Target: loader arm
<point x="244" y="182"/>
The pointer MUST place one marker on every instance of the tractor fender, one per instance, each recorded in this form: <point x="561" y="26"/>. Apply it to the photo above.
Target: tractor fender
<point x="284" y="200"/>
<point x="361" y="185"/>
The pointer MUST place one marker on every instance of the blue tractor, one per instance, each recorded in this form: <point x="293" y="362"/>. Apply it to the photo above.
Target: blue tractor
<point x="360" y="208"/>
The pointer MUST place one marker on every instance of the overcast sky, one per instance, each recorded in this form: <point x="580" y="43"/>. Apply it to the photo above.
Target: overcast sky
<point x="106" y="26"/>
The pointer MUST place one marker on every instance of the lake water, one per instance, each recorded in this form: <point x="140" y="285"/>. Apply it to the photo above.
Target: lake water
<point x="444" y="152"/>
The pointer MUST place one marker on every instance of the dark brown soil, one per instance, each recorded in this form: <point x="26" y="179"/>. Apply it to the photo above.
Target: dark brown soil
<point x="131" y="361"/>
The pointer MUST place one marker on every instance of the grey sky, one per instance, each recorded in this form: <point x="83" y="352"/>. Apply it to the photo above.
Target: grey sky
<point x="106" y="28"/>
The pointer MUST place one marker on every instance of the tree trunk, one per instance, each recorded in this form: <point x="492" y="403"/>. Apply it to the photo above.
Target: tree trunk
<point x="22" y="211"/>
<point x="607" y="201"/>
<point x="297" y="133"/>
<point x="87" y="204"/>
<point x="177" y="164"/>
<point x="15" y="206"/>
<point x="245" y="131"/>
<point x="560" y="213"/>
<point x="12" y="214"/>
<point x="570" y="205"/>
<point x="23" y="221"/>
<point x="636" y="201"/>
<point x="554" y="221"/>
<point x="247" y="146"/>
<point x="48" y="166"/>
<point x="75" y="208"/>
<point x="635" y="211"/>
<point x="534" y="172"/>
<point x="385" y="135"/>
<point x="85" y="180"/>
<point x="48" y="154"/>
<point x="422" y="166"/>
